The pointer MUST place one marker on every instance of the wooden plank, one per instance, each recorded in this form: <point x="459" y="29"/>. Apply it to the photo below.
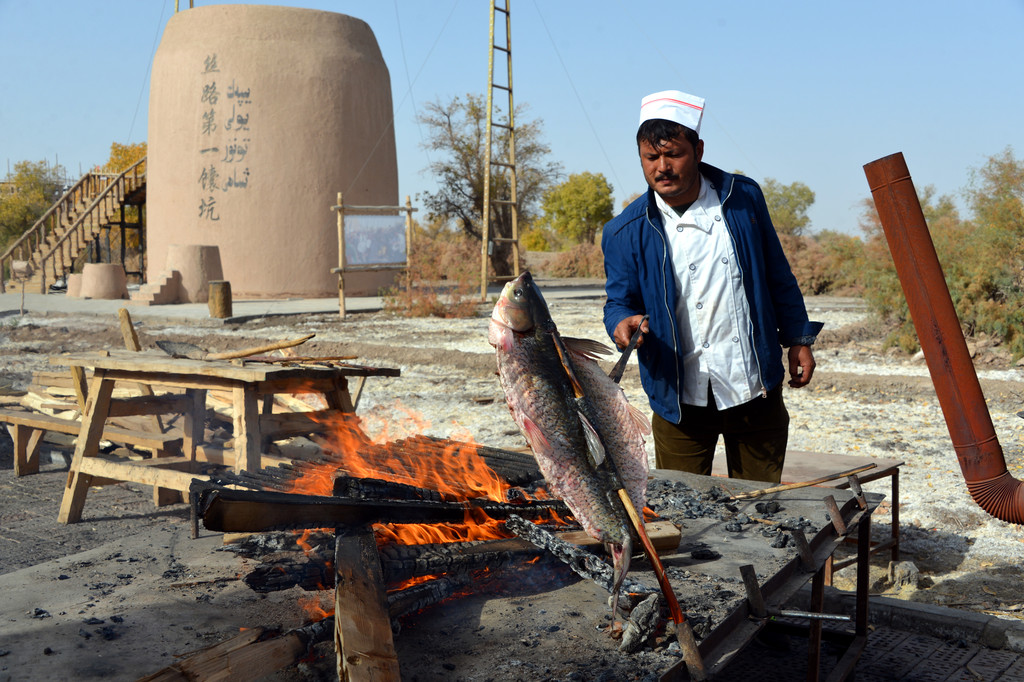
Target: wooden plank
<point x="47" y="379"/>
<point x="131" y="342"/>
<point x="362" y="627"/>
<point x="46" y="422"/>
<point x="288" y="424"/>
<point x="158" y="363"/>
<point x="213" y="454"/>
<point x="155" y="472"/>
<point x="149" y="405"/>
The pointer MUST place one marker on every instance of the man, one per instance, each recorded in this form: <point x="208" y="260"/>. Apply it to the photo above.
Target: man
<point x="698" y="255"/>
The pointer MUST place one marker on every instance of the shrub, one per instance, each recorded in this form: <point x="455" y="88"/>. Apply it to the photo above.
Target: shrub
<point x="582" y="260"/>
<point x="441" y="280"/>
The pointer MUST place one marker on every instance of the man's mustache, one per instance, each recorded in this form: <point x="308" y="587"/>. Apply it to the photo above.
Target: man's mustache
<point x="665" y="176"/>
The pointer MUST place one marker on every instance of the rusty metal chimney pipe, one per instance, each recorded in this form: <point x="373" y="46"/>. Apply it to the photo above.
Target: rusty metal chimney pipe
<point x="941" y="337"/>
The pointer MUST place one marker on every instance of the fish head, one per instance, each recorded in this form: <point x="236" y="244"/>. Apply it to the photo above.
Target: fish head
<point x="521" y="307"/>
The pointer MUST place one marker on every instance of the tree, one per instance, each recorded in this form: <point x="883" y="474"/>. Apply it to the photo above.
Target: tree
<point x="31" y="190"/>
<point x="122" y="156"/>
<point x="579" y="207"/>
<point x="788" y="205"/>
<point x="457" y="131"/>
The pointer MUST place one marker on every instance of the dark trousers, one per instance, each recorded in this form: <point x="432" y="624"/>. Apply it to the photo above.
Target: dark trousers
<point x="755" y="435"/>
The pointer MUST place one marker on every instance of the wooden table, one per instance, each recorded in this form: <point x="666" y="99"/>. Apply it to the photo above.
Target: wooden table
<point x="249" y="383"/>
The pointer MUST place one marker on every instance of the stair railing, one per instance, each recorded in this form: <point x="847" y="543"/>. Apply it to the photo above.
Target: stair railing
<point x="49" y="223"/>
<point x="57" y="260"/>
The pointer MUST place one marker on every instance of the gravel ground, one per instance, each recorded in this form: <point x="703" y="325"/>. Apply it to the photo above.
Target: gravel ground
<point x="863" y="401"/>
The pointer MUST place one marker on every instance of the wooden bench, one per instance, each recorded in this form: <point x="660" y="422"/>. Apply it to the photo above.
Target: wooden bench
<point x="28" y="429"/>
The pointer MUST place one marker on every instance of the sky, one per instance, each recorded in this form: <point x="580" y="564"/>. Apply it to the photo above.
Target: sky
<point x="803" y="92"/>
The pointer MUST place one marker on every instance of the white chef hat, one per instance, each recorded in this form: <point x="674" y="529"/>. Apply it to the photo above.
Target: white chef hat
<point x="673" y="105"/>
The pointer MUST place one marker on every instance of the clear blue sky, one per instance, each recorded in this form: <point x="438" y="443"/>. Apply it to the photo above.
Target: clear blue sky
<point x="796" y="91"/>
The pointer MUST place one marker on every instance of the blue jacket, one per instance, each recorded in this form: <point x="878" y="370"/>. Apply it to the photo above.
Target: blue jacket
<point x="640" y="279"/>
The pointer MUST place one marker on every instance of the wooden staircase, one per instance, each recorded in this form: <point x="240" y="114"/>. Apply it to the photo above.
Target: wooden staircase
<point x="73" y="225"/>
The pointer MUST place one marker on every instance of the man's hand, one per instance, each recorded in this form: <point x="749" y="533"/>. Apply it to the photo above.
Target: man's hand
<point x="624" y="331"/>
<point x="801" y="364"/>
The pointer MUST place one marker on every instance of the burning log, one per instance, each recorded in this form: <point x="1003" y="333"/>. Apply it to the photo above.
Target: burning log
<point x="224" y="509"/>
<point x="516" y="468"/>
<point x="422" y="595"/>
<point x="376" y="488"/>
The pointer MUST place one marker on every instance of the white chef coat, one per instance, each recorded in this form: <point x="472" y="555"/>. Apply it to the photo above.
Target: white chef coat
<point x="711" y="310"/>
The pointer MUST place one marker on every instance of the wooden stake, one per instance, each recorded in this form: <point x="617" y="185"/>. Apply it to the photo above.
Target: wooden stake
<point x="684" y="633"/>
<point x="362" y="626"/>
<point x="277" y="345"/>
<point x="803" y="484"/>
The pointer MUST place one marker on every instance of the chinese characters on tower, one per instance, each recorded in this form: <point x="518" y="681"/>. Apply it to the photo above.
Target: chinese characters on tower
<point x="224" y="135"/>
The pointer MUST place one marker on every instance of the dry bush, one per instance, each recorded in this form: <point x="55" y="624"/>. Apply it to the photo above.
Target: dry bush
<point x="442" y="280"/>
<point x="582" y="260"/>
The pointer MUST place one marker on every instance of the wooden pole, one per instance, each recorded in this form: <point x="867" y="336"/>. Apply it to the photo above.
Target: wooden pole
<point x="341" y="256"/>
<point x="803" y="484"/>
<point x="408" y="227"/>
<point x="684" y="632"/>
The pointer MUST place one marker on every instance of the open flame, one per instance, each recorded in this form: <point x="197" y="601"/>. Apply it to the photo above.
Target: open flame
<point x="455" y="469"/>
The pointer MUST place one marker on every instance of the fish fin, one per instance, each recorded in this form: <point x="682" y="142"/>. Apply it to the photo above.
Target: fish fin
<point x="586" y="347"/>
<point x="563" y="355"/>
<point x="640" y="419"/>
<point x="595" y="448"/>
<point x="534" y="436"/>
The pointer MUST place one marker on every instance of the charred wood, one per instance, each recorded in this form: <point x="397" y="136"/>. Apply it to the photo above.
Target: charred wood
<point x="309" y="572"/>
<point x="257" y="545"/>
<point x="399" y="563"/>
<point x="250" y="655"/>
<point x="644" y="620"/>
<point x="375" y="488"/>
<point x="582" y="562"/>
<point x="402" y="562"/>
<point x="418" y="597"/>
<point x="225" y="509"/>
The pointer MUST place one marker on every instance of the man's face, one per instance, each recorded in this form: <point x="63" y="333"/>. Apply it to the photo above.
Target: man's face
<point x="671" y="169"/>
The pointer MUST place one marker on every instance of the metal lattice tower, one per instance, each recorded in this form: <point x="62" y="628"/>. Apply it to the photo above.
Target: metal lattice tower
<point x="499" y="167"/>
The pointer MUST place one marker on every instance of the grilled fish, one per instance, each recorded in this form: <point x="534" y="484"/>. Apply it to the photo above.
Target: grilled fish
<point x="587" y="439"/>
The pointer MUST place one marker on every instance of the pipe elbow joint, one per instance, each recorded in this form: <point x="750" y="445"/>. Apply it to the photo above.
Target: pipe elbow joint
<point x="1002" y="497"/>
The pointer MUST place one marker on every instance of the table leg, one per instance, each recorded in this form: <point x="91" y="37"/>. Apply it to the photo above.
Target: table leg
<point x="97" y="408"/>
<point x="195" y="424"/>
<point x="81" y="387"/>
<point x="896" y="515"/>
<point x="339" y="398"/>
<point x="248" y="440"/>
<point x="27" y="444"/>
